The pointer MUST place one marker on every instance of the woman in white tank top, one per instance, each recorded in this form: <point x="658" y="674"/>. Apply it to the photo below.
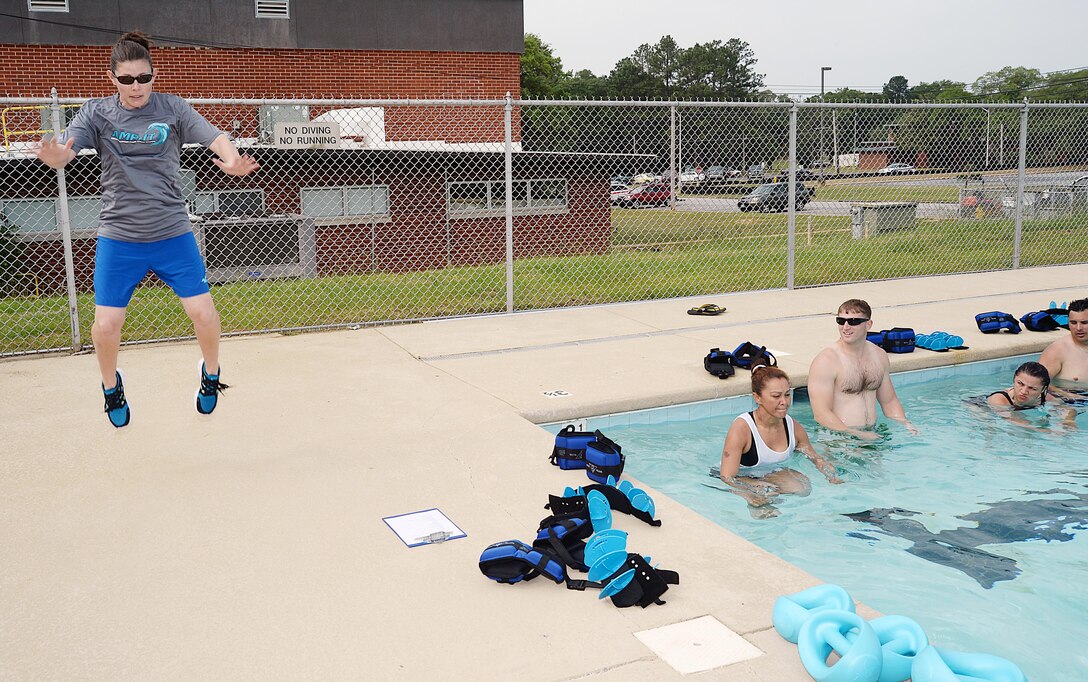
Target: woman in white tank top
<point x="760" y="443"/>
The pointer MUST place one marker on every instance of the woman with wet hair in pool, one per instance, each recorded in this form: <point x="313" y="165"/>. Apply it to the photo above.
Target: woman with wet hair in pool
<point x="760" y="443"/>
<point x="1029" y="384"/>
<point x="1029" y="387"/>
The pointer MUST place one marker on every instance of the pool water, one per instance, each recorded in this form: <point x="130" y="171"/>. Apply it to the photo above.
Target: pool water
<point x="977" y="528"/>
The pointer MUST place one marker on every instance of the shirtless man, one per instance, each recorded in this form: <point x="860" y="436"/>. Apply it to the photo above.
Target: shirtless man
<point x="848" y="378"/>
<point x="1067" y="358"/>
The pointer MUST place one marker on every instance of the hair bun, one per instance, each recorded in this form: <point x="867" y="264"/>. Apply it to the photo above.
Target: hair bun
<point x="138" y="37"/>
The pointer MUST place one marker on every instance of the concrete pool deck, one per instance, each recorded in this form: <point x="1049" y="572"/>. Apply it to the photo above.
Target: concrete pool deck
<point x="250" y="545"/>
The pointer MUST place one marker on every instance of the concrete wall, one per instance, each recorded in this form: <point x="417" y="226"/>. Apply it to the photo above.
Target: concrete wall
<point x="432" y="25"/>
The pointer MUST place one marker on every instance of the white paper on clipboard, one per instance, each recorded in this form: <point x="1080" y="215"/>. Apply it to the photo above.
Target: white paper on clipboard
<point x="415" y="528"/>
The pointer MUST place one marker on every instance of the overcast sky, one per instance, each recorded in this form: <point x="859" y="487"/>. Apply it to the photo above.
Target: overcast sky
<point x="866" y="42"/>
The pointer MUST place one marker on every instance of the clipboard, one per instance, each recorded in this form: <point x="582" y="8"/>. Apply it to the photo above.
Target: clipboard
<point x="426" y="527"/>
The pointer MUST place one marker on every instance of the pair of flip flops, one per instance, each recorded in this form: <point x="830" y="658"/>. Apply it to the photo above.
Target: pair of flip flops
<point x="939" y="342"/>
<point x="707" y="309"/>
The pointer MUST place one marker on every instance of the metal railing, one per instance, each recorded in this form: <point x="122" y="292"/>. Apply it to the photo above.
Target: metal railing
<point x="16" y="133"/>
<point x="374" y="211"/>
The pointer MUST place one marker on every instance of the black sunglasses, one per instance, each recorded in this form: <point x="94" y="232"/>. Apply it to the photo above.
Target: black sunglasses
<point x="852" y="321"/>
<point x="142" y="79"/>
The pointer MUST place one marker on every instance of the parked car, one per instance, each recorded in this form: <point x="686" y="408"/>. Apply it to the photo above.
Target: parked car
<point x="897" y="169"/>
<point x="802" y="174"/>
<point x="774" y="197"/>
<point x="716" y="173"/>
<point x="688" y="175"/>
<point x="644" y="178"/>
<point x="691" y="174"/>
<point x="621" y="179"/>
<point x="654" y="194"/>
<point x="620" y="192"/>
<point x="756" y="172"/>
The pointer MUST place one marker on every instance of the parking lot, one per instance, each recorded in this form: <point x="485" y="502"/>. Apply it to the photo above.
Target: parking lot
<point x="704" y="196"/>
<point x="816" y="207"/>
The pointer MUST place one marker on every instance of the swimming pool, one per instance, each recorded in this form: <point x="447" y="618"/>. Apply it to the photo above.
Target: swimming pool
<point x="976" y="528"/>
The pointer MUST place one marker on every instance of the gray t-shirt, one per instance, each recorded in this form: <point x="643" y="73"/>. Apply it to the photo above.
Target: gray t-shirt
<point x="140" y="151"/>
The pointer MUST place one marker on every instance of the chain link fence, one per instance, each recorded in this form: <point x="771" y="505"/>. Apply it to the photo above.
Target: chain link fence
<point x="375" y="211"/>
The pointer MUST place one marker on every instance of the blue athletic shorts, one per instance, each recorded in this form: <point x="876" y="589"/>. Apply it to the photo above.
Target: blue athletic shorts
<point x="119" y="266"/>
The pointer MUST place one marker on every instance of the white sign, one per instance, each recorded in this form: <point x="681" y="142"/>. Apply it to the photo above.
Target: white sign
<point x="307" y="135"/>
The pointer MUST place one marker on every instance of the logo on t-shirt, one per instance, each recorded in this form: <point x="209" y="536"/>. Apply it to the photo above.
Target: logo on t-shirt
<point x="156" y="134"/>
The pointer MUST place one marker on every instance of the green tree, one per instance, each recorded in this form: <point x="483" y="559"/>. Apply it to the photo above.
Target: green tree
<point x="585" y="85"/>
<point x="1008" y="84"/>
<point x="940" y="90"/>
<point x="542" y="74"/>
<point x="855" y="127"/>
<point x="660" y="65"/>
<point x="851" y="95"/>
<point x="629" y="79"/>
<point x="720" y="70"/>
<point x="897" y="89"/>
<point x="1064" y="86"/>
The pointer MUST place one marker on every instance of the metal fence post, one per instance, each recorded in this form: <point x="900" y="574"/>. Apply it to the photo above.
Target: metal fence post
<point x="1022" y="165"/>
<point x="672" y="157"/>
<point x="791" y="220"/>
<point x="509" y="154"/>
<point x="64" y="224"/>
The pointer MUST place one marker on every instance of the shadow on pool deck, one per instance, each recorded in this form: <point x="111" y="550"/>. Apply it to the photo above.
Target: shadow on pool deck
<point x="251" y="544"/>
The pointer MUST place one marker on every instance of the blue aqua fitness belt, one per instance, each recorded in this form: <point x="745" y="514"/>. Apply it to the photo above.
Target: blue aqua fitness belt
<point x="894" y="340"/>
<point x="604" y="458"/>
<point x="513" y="561"/>
<point x="1039" y="321"/>
<point x="995" y="320"/>
<point x="570" y="448"/>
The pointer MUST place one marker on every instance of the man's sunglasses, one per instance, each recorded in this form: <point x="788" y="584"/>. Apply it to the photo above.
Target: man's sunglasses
<point x="142" y="79"/>
<point x="852" y="321"/>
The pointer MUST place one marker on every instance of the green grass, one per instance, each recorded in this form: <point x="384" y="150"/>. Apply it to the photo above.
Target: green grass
<point x="655" y="254"/>
<point x="873" y="191"/>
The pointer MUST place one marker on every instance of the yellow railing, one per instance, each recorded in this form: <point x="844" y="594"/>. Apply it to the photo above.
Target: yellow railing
<point x="8" y="134"/>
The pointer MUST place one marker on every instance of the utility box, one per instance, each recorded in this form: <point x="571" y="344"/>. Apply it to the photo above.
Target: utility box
<point x="249" y="247"/>
<point x="875" y="217"/>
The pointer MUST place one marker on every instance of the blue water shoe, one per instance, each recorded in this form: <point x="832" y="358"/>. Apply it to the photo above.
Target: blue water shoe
<point x="207" y="396"/>
<point x="116" y="405"/>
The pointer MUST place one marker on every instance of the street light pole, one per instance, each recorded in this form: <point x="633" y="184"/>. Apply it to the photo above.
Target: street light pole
<point x="679" y="141"/>
<point x="987" y="139"/>
<point x="823" y="69"/>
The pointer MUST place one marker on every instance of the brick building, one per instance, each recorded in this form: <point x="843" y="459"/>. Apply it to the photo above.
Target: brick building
<point x="415" y="188"/>
<point x="270" y="48"/>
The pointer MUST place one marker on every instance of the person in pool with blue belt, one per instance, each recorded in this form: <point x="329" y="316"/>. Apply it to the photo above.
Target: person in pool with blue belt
<point x="759" y="444"/>
<point x="144" y="224"/>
